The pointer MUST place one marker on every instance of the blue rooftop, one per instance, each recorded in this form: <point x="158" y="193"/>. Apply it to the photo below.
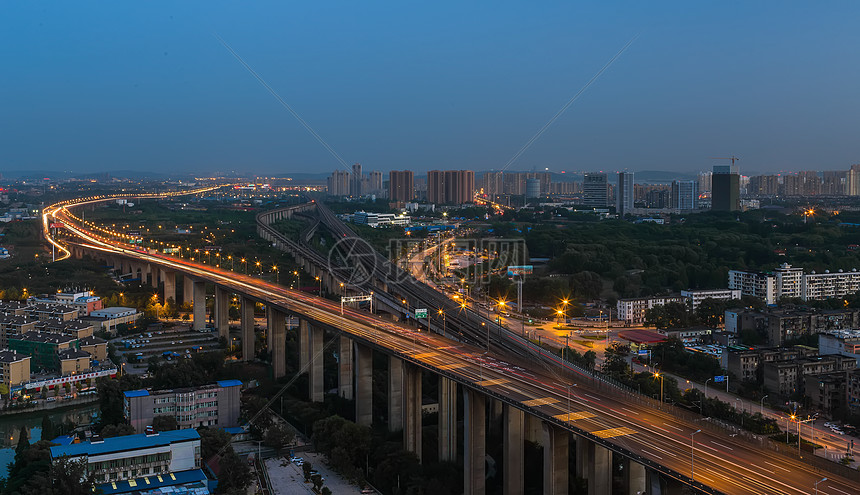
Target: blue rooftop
<point x="128" y="442"/>
<point x="234" y="430"/>
<point x="64" y="439"/>
<point x="146" y="483"/>
<point x="230" y="383"/>
<point x="136" y="393"/>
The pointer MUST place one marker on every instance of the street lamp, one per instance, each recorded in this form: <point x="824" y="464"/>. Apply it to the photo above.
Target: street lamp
<point x="762" y="405"/>
<point x="277" y="273"/>
<point x="658" y="375"/>
<point x="692" y="452"/>
<point x="319" y="293"/>
<point x="822" y="480"/>
<point x="706" y="390"/>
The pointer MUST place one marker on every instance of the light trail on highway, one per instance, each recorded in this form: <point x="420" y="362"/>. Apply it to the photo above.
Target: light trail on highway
<point x="723" y="464"/>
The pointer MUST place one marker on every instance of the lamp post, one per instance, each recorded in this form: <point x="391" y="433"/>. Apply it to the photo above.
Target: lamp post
<point x="692" y="454"/>
<point x="822" y="480"/>
<point x="319" y="279"/>
<point x="658" y="375"/>
<point x="761" y="411"/>
<point x="706" y="391"/>
<point x="443" y="321"/>
<point x="277" y="273"/>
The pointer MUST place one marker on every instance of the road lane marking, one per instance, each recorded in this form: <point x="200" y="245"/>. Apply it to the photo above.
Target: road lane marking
<point x="651" y="454"/>
<point x="452" y="366"/>
<point x="663" y="450"/>
<point x="706" y="446"/>
<point x="593" y="397"/>
<point x="721" y="445"/>
<point x="628" y="410"/>
<point x="778" y="467"/>
<point x="425" y="355"/>
<point x="574" y="416"/>
<point x="540" y="402"/>
<point x="837" y="489"/>
<point x="672" y="426"/>
<point x="495" y="381"/>
<point x="614" y="432"/>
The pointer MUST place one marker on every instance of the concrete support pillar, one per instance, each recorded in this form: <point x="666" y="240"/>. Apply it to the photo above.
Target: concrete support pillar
<point x="315" y="372"/>
<point x="222" y="312"/>
<point x="412" y="413"/>
<point x="514" y="424"/>
<point x="187" y="288"/>
<point x="247" y="329"/>
<point x="555" y="463"/>
<point x="447" y="419"/>
<point x="363" y="385"/>
<point x="635" y="479"/>
<point x="276" y="329"/>
<point x="594" y="463"/>
<point x="304" y="343"/>
<point x="345" y="370"/>
<point x="395" y="394"/>
<point x="169" y="277"/>
<point x="474" y="442"/>
<point x="153" y="275"/>
<point x="533" y="429"/>
<point x="199" y="298"/>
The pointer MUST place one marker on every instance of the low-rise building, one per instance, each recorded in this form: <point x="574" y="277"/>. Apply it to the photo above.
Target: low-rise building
<point x="14" y="325"/>
<point x="133" y="457"/>
<point x="76" y="328"/>
<point x="84" y="301"/>
<point x="59" y="311"/>
<point x="216" y="404"/>
<point x="844" y="343"/>
<point x="827" y="392"/>
<point x="756" y="284"/>
<point x="695" y="297"/>
<point x="632" y="311"/>
<point x="73" y="361"/>
<point x="789" y="377"/>
<point x="107" y="319"/>
<point x="742" y="362"/>
<point x="14" y="368"/>
<point x="43" y="348"/>
<point x="96" y="347"/>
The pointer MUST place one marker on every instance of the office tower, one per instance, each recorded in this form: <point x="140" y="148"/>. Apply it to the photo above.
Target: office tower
<point x="401" y="186"/>
<point x="725" y="188"/>
<point x="355" y="188"/>
<point x="624" y="193"/>
<point x="338" y="184"/>
<point x="532" y="188"/>
<point x="685" y="194"/>
<point x="450" y="186"/>
<point x="595" y="190"/>
<point x="493" y="183"/>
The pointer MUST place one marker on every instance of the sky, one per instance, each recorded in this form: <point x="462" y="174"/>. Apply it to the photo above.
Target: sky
<point x="147" y="86"/>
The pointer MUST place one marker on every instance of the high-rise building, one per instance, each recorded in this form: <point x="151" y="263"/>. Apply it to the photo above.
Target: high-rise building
<point x="763" y="185"/>
<point x="373" y="183"/>
<point x="853" y="181"/>
<point x="725" y="188"/>
<point x="355" y="188"/>
<point x="532" y="188"/>
<point x="338" y="184"/>
<point x="450" y="186"/>
<point x="493" y="183"/>
<point x="401" y="185"/>
<point x="595" y="190"/>
<point x="833" y="182"/>
<point x="685" y="194"/>
<point x="624" y="193"/>
<point x="704" y="179"/>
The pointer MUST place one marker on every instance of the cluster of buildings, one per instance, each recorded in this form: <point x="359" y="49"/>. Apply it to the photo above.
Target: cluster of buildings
<point x="780" y="325"/>
<point x="806" y="183"/>
<point x="354" y="183"/>
<point x="377" y="219"/>
<point x="792" y="282"/>
<point x="49" y="340"/>
<point x="632" y="310"/>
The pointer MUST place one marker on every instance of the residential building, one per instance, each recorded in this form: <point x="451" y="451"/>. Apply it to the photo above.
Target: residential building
<point x="43" y="348"/>
<point x="58" y="311"/>
<point x="827" y="285"/>
<point x="827" y="392"/>
<point x="450" y="186"/>
<point x="136" y="457"/>
<point x="84" y="301"/>
<point x="373" y="184"/>
<point x="493" y="183"/>
<point x="624" y="193"/>
<point x="788" y="377"/>
<point x="743" y="363"/>
<point x="852" y="181"/>
<point x="96" y="347"/>
<point x="632" y="311"/>
<point x="338" y="183"/>
<point x="210" y="405"/>
<point x="756" y="284"/>
<point x="595" y="190"/>
<point x="14" y="368"/>
<point x="12" y="325"/>
<point x="533" y="188"/>
<point x="685" y="195"/>
<point x="841" y="342"/>
<point x="725" y="188"/>
<point x="696" y="296"/>
<point x="76" y="328"/>
<point x="401" y="186"/>
<point x="789" y="281"/>
<point x="852" y="391"/>
<point x="73" y="361"/>
<point x="355" y="180"/>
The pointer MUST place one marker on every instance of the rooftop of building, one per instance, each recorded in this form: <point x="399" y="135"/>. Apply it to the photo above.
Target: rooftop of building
<point x="45" y="337"/>
<point x="642" y="336"/>
<point x="843" y="334"/>
<point x="52" y="308"/>
<point x="92" y="340"/>
<point x="147" y="392"/>
<point x="115" y="310"/>
<point x="64" y="354"/>
<point x="7" y="356"/>
<point x="64" y="324"/>
<point x="125" y="443"/>
<point x="165" y="483"/>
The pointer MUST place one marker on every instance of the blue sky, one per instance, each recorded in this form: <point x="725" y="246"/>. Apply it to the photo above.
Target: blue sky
<point x="424" y="85"/>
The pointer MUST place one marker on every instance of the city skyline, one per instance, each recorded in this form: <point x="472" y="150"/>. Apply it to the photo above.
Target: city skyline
<point x="429" y="87"/>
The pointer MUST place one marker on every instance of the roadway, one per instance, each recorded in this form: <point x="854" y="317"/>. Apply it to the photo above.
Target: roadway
<point x="722" y="463"/>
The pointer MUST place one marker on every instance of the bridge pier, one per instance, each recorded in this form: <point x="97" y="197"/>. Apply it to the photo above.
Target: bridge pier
<point x="363" y="385"/>
<point x="315" y="372"/>
<point x="594" y="463"/>
<point x="395" y="394"/>
<point x="222" y="312"/>
<point x="153" y="275"/>
<point x="514" y="423"/>
<point x="187" y="288"/>
<point x="276" y="323"/>
<point x="169" y="277"/>
<point x="345" y="369"/>
<point x="555" y="463"/>
<point x="412" y="412"/>
<point x="474" y="442"/>
<point x="199" y="308"/>
<point x="247" y="329"/>
<point x="447" y="419"/>
<point x="635" y="479"/>
<point x="304" y="344"/>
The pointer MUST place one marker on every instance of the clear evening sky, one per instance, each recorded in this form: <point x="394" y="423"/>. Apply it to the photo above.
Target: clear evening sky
<point x="422" y="85"/>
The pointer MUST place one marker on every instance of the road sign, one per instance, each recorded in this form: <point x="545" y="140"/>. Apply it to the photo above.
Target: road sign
<point x="520" y="270"/>
<point x="719" y="379"/>
<point x="421" y="313"/>
<point x="57" y="225"/>
<point x="643" y="352"/>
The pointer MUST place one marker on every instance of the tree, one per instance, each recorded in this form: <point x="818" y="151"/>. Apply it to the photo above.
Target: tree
<point x="316" y="479"/>
<point x="671" y="315"/>
<point x="235" y="474"/>
<point x="117" y="430"/>
<point x="66" y="477"/>
<point x="47" y="428"/>
<point x="23" y="442"/>
<point x="212" y="440"/>
<point x="307" y="467"/>
<point x="279" y="435"/>
<point x="30" y="464"/>
<point x="165" y="423"/>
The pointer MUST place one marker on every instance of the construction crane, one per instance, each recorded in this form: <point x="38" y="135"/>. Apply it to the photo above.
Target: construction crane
<point x="733" y="159"/>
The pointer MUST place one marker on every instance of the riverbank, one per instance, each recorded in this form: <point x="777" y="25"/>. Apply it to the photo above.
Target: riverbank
<point x="54" y="406"/>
